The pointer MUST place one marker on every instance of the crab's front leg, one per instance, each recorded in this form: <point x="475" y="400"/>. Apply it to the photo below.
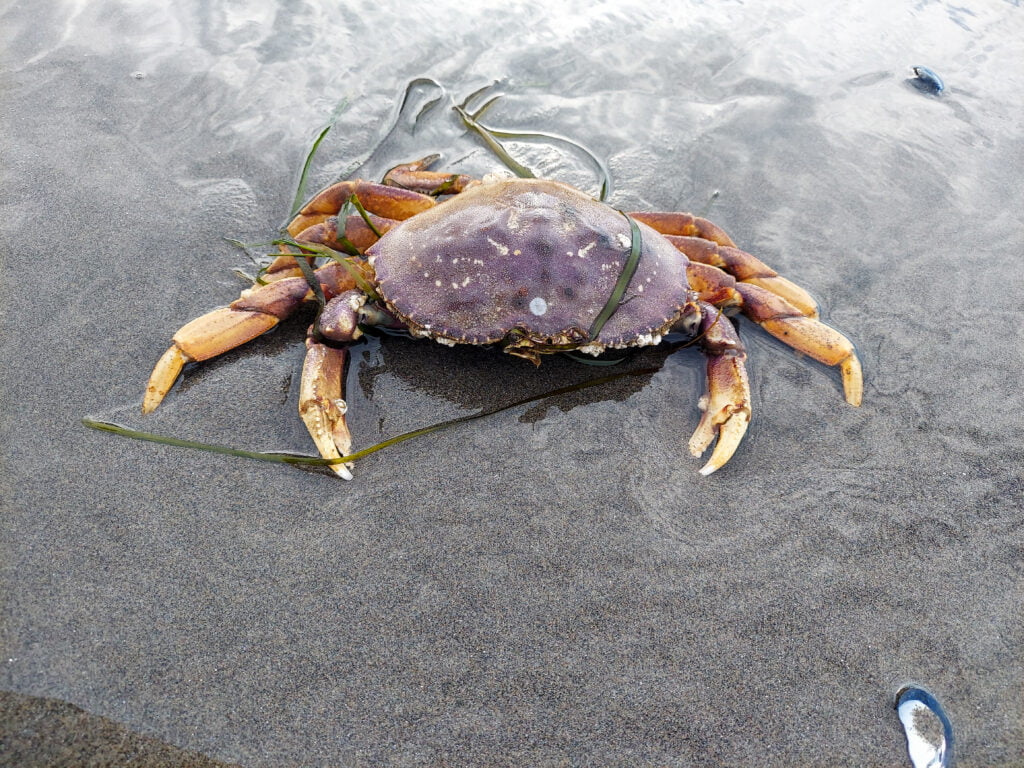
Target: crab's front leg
<point x="256" y="311"/>
<point x="322" y="389"/>
<point x="726" y="406"/>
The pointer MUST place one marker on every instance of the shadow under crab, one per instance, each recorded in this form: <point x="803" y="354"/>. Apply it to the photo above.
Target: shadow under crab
<point x="529" y="265"/>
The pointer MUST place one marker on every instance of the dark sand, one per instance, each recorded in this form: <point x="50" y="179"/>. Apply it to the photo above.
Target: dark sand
<point x="553" y="585"/>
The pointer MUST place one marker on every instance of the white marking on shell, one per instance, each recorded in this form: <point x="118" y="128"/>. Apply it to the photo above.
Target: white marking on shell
<point x="443" y="340"/>
<point x="538" y="306"/>
<point x="466" y="281"/>
<point x="479" y="262"/>
<point x="640" y="288"/>
<point x="624" y="240"/>
<point x="502" y="249"/>
<point x="582" y="252"/>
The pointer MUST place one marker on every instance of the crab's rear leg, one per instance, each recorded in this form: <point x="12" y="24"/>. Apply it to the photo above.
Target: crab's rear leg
<point x="705" y="242"/>
<point x="256" y="311"/>
<point x="726" y="406"/>
<point x="322" y="389"/>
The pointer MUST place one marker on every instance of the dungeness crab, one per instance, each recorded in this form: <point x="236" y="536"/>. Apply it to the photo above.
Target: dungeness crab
<point x="529" y="265"/>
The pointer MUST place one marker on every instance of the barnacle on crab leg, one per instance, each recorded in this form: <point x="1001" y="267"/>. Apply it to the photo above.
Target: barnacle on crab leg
<point x="256" y="311"/>
<point x="706" y="242"/>
<point x="726" y="406"/>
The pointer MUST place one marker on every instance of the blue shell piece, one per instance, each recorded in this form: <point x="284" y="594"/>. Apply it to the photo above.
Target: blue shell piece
<point x="923" y="717"/>
<point x="928" y="79"/>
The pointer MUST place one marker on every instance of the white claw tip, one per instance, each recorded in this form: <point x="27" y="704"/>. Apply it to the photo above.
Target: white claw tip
<point x="341" y="470"/>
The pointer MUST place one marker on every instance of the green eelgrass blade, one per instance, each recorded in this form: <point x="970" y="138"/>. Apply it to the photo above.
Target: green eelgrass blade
<point x="491" y="136"/>
<point x="366" y="217"/>
<point x="495" y="146"/>
<point x="340" y="258"/>
<point x="299" y="459"/>
<point x="314" y="284"/>
<point x="628" y="270"/>
<point x="300" y="192"/>
<point x="585" y="360"/>
<point x="603" y="171"/>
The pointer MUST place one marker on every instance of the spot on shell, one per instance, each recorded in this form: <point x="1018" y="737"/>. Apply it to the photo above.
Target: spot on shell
<point x="502" y="249"/>
<point x="538" y="306"/>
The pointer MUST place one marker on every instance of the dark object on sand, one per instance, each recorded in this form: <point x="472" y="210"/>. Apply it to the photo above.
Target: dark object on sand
<point x="927" y="80"/>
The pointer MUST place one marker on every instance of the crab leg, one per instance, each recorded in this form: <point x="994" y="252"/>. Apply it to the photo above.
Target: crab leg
<point x="322" y="389"/>
<point x="804" y="334"/>
<point x="705" y="242"/>
<point x="317" y="221"/>
<point x="783" y="321"/>
<point x="726" y="406"/>
<point x="389" y="202"/>
<point x="415" y="176"/>
<point x="256" y="311"/>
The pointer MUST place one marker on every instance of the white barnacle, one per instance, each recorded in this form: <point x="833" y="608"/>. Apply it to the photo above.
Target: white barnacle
<point x="437" y="283"/>
<point x="538" y="306"/>
<point x="648" y="340"/>
<point x="640" y="288"/>
<point x="446" y="342"/>
<point x="624" y="240"/>
<point x="593" y="348"/>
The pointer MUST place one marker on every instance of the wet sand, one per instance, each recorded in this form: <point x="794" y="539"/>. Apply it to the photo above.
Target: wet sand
<point x="554" y="584"/>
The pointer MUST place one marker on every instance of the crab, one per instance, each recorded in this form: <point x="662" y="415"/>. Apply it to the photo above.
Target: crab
<point x="531" y="266"/>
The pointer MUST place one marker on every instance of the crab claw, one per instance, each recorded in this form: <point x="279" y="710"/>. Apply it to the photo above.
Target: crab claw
<point x="726" y="406"/>
<point x="726" y="410"/>
<point x="322" y="405"/>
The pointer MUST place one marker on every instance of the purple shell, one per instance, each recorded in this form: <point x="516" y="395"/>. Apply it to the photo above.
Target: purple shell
<point x="527" y="254"/>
